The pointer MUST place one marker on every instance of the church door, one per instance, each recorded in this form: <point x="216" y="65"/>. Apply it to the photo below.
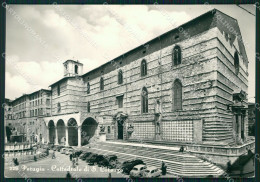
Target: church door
<point x="120" y="126"/>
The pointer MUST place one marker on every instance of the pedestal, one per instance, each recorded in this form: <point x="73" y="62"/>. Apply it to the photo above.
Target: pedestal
<point x="102" y="137"/>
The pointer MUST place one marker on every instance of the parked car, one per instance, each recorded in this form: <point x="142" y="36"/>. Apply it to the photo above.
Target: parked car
<point x="89" y="156"/>
<point x="95" y="159"/>
<point x="85" y="155"/>
<point x="69" y="151"/>
<point x="109" y="161"/>
<point x="127" y="166"/>
<point x="151" y="172"/>
<point x="63" y="150"/>
<point x="138" y="170"/>
<point x="54" y="148"/>
<point x="59" y="148"/>
<point x="78" y="152"/>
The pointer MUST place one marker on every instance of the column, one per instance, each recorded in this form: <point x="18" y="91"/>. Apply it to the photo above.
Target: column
<point x="67" y="136"/>
<point x="48" y="137"/>
<point x="56" y="136"/>
<point x="239" y="127"/>
<point x="79" y="136"/>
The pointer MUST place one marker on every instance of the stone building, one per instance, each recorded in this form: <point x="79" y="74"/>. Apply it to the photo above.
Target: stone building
<point x="187" y="86"/>
<point x="27" y="113"/>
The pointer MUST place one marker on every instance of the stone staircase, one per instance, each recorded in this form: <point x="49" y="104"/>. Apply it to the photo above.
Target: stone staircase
<point x="178" y="164"/>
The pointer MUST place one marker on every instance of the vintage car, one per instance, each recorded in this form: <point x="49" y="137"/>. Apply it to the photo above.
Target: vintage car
<point x="95" y="159"/>
<point x="69" y="151"/>
<point x="109" y="161"/>
<point x="112" y="161"/>
<point x="78" y="152"/>
<point x="127" y="166"/>
<point x="138" y="170"/>
<point x="59" y="148"/>
<point x="85" y="155"/>
<point x="151" y="172"/>
<point x="63" y="150"/>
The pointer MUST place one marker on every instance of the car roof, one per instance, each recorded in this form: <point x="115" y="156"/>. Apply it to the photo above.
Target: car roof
<point x="152" y="168"/>
<point x="139" y="165"/>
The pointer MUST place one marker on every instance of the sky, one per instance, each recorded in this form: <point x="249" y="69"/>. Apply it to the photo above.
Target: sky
<point x="39" y="38"/>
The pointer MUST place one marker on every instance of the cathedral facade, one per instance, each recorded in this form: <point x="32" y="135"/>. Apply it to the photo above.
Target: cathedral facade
<point x="188" y="86"/>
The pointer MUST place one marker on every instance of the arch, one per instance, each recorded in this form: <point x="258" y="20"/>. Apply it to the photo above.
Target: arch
<point x="101" y="83"/>
<point x="144" y="100"/>
<point x="236" y="63"/>
<point x="120" y="77"/>
<point x="88" y="129"/>
<point x="61" y="129"/>
<point x="72" y="132"/>
<point x="51" y="127"/>
<point x="76" y="69"/>
<point x="143" y="67"/>
<point x="176" y="56"/>
<point x="177" y="95"/>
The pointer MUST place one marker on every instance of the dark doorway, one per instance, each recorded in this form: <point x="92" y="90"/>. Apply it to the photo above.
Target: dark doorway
<point x="72" y="132"/>
<point x="88" y="129"/>
<point x="120" y="125"/>
<point x="51" y="127"/>
<point x="61" y="131"/>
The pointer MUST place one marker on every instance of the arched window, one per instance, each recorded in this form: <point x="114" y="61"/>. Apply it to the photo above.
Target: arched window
<point x="88" y="106"/>
<point x="236" y="63"/>
<point x="144" y="100"/>
<point x="101" y="83"/>
<point x="177" y="95"/>
<point x="120" y="77"/>
<point x="108" y="129"/>
<point x="76" y="69"/>
<point x="143" y="68"/>
<point x="176" y="56"/>
<point x="88" y="88"/>
<point x="58" y="107"/>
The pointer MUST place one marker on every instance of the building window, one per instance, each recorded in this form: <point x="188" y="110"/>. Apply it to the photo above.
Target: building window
<point x="88" y="106"/>
<point x="76" y="69"/>
<point x="58" y="90"/>
<point x="88" y="88"/>
<point x="36" y="112"/>
<point x="236" y="63"/>
<point x="120" y="77"/>
<point x="143" y="68"/>
<point x="120" y="101"/>
<point x="101" y="83"/>
<point x="177" y="95"/>
<point x="47" y="102"/>
<point x="58" y="107"/>
<point x="144" y="100"/>
<point x="108" y="129"/>
<point x="176" y="56"/>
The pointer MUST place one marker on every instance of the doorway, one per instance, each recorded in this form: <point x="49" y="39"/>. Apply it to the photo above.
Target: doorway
<point x="120" y="125"/>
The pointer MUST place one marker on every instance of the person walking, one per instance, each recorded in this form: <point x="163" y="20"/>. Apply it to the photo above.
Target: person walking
<point x="53" y="155"/>
<point x="73" y="162"/>
<point x="68" y="175"/>
<point x="70" y="157"/>
<point x="163" y="168"/>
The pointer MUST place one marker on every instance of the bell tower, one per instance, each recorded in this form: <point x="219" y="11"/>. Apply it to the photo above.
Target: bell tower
<point x="72" y="68"/>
